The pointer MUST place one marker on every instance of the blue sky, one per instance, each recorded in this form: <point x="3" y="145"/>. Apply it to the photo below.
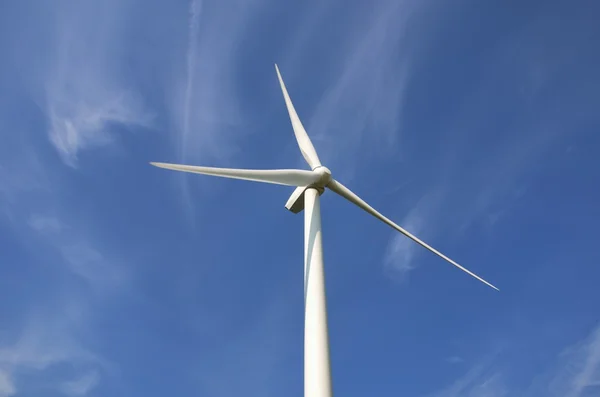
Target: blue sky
<point x="473" y="124"/>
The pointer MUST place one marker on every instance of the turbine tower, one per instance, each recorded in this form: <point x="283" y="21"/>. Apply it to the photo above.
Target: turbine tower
<point x="309" y="186"/>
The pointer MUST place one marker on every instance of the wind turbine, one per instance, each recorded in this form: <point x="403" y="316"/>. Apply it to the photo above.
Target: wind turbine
<point x="309" y="186"/>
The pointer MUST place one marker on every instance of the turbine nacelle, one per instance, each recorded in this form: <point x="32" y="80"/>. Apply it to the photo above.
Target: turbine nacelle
<point x="295" y="203"/>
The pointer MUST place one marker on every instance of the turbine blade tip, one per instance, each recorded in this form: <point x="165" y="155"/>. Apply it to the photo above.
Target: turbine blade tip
<point x="158" y="164"/>
<point x="491" y="285"/>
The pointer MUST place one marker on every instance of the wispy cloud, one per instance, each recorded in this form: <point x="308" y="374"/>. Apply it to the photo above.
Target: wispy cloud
<point x="90" y="264"/>
<point x="361" y="108"/>
<point x="51" y="339"/>
<point x="26" y="176"/>
<point x="204" y="102"/>
<point x="44" y="342"/>
<point x="455" y="360"/>
<point x="51" y="335"/>
<point x="578" y="369"/>
<point x="534" y="122"/>
<point x="479" y="381"/>
<point x="81" y="121"/>
<point x="575" y="372"/>
<point x="82" y="385"/>
<point x="543" y="70"/>
<point x="184" y="123"/>
<point x="7" y="387"/>
<point x="45" y="224"/>
<point x="85" y="93"/>
<point x="29" y="197"/>
<point x="79" y="254"/>
<point x="401" y="251"/>
<point x="195" y="8"/>
<point x="204" y="105"/>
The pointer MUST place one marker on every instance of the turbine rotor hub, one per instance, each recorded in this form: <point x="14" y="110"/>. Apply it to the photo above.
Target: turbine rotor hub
<point x="324" y="176"/>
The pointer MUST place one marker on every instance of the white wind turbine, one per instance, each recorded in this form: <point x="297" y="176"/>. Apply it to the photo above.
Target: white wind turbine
<point x="309" y="186"/>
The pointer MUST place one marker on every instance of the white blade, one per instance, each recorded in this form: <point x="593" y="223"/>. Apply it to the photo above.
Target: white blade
<point x="306" y="146"/>
<point x="295" y="203"/>
<point x="279" y="177"/>
<point x="350" y="196"/>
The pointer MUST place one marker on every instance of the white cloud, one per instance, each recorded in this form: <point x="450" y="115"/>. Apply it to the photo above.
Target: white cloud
<point x="535" y="67"/>
<point x="476" y="385"/>
<point x="79" y="253"/>
<point x="483" y="195"/>
<point x="574" y="373"/>
<point x="25" y="189"/>
<point x="17" y="179"/>
<point x="45" y="224"/>
<point x="195" y="8"/>
<point x="401" y="251"/>
<point x="51" y="334"/>
<point x="83" y="121"/>
<point x="455" y="360"/>
<point x="481" y="380"/>
<point x="45" y="341"/>
<point x="7" y="387"/>
<point x="578" y="370"/>
<point x="82" y="385"/>
<point x="204" y="103"/>
<point x="363" y="105"/>
<point x="90" y="264"/>
<point x="85" y="95"/>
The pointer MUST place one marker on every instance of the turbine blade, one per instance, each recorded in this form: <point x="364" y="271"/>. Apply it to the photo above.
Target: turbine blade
<point x="279" y="177"/>
<point x="346" y="193"/>
<point x="306" y="146"/>
<point x="295" y="203"/>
